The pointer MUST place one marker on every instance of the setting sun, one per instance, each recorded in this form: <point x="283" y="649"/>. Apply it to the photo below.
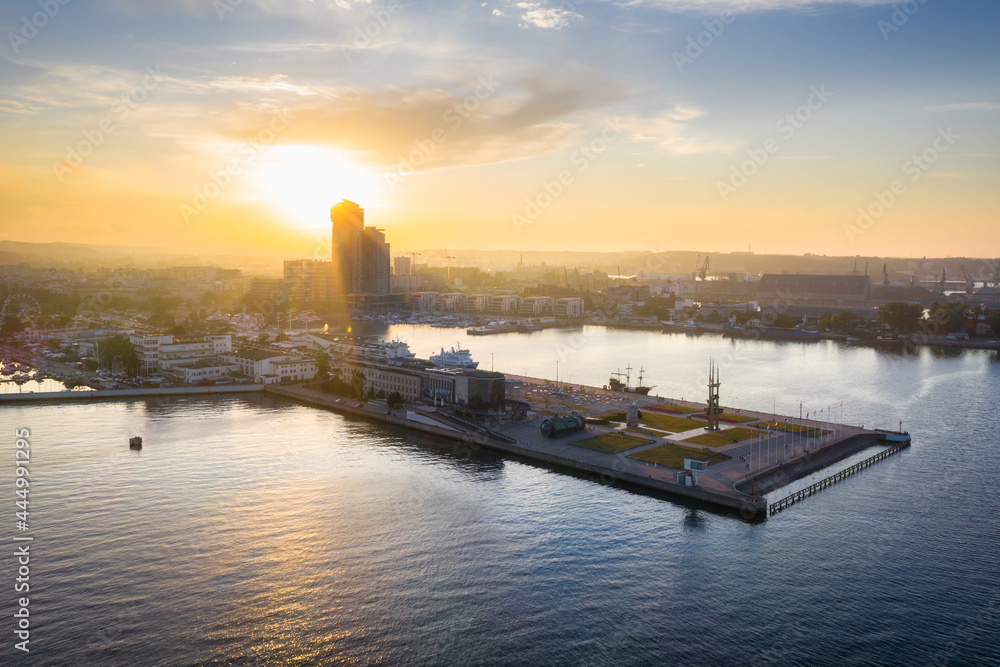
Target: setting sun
<point x="301" y="183"/>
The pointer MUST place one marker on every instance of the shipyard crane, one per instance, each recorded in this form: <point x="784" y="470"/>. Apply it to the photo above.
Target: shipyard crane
<point x="969" y="286"/>
<point x="703" y="271"/>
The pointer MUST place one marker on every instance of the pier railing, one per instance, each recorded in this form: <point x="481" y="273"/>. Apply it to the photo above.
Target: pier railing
<point x="789" y="500"/>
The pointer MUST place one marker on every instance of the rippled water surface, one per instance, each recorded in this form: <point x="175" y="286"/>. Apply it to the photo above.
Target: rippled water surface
<point x="252" y="530"/>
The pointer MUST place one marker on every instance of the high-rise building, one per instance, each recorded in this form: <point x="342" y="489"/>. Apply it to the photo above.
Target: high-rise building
<point x="307" y="281"/>
<point x="402" y="265"/>
<point x="360" y="260"/>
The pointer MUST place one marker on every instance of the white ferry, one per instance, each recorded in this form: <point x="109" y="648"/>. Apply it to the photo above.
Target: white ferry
<point x="456" y="357"/>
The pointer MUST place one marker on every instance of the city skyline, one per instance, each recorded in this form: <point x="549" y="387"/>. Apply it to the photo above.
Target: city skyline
<point x="792" y="126"/>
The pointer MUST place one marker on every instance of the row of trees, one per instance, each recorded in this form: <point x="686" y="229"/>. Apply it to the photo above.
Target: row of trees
<point x="354" y="387"/>
<point x="944" y="318"/>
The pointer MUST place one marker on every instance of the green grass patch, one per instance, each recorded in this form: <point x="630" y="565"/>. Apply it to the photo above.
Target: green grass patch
<point x="729" y="417"/>
<point x="611" y="443"/>
<point x="599" y="422"/>
<point x="677" y="408"/>
<point x="669" y="422"/>
<point x="674" y="455"/>
<point x="725" y="437"/>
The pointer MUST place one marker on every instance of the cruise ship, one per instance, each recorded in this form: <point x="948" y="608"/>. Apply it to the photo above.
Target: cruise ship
<point x="456" y="357"/>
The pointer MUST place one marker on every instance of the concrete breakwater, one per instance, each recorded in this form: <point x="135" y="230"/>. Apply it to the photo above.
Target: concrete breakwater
<point x="120" y="394"/>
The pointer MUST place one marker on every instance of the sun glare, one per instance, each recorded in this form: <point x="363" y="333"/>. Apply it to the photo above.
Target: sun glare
<point x="302" y="182"/>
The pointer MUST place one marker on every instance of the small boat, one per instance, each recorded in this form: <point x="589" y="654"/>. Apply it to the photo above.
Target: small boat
<point x="135" y="442"/>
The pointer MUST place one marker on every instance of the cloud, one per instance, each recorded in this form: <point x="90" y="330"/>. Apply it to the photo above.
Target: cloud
<point x="669" y="134"/>
<point x="967" y="106"/>
<point x="519" y="118"/>
<point x="547" y="18"/>
<point x="715" y="6"/>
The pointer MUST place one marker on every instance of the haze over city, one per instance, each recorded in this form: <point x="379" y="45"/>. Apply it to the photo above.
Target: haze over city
<point x="234" y="126"/>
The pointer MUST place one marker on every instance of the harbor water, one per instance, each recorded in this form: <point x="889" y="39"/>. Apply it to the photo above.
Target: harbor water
<point x="253" y="530"/>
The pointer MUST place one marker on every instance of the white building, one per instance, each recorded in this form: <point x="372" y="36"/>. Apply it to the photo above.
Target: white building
<point x="536" y="306"/>
<point x="162" y="352"/>
<point x="568" y="308"/>
<point x="271" y="366"/>
<point x="147" y="348"/>
<point x="204" y="369"/>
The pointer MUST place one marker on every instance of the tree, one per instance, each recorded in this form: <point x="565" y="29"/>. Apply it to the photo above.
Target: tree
<point x="263" y="339"/>
<point x="950" y="317"/>
<point x="395" y="400"/>
<point x="118" y="347"/>
<point x="993" y="319"/>
<point x="786" y="321"/>
<point x="901" y="317"/>
<point x="12" y="324"/>
<point x="323" y="363"/>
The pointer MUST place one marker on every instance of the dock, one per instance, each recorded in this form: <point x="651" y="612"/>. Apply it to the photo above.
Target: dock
<point x="729" y="484"/>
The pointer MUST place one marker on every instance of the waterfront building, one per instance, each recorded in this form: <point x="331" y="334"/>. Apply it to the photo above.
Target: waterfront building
<point x="414" y="381"/>
<point x="161" y="352"/>
<point x="569" y="308"/>
<point x="505" y="304"/>
<point x="789" y="289"/>
<point x="195" y="372"/>
<point x="360" y="257"/>
<point x="536" y="306"/>
<point x="271" y="366"/>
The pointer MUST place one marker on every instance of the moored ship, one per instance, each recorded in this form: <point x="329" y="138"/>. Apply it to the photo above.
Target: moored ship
<point x="456" y="357"/>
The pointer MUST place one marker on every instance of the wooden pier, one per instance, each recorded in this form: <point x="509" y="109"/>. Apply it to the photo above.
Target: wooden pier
<point x="788" y="501"/>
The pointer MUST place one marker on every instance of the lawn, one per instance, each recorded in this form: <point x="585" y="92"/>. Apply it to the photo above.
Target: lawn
<point x="680" y="409"/>
<point x="674" y="455"/>
<point x="724" y="437"/>
<point x="669" y="422"/>
<point x="735" y="418"/>
<point x="611" y="443"/>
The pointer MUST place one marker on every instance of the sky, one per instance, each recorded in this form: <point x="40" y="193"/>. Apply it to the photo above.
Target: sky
<point x="864" y="127"/>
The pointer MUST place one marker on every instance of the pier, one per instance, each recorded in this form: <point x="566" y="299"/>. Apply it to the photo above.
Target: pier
<point x="812" y="489"/>
<point x="753" y="456"/>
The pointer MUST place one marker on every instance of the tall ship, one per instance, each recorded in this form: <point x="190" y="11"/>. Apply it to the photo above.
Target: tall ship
<point x="456" y="357"/>
<point x="615" y="383"/>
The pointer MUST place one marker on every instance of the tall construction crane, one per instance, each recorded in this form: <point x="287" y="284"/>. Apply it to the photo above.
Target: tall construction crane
<point x="969" y="285"/>
<point x="703" y="271"/>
